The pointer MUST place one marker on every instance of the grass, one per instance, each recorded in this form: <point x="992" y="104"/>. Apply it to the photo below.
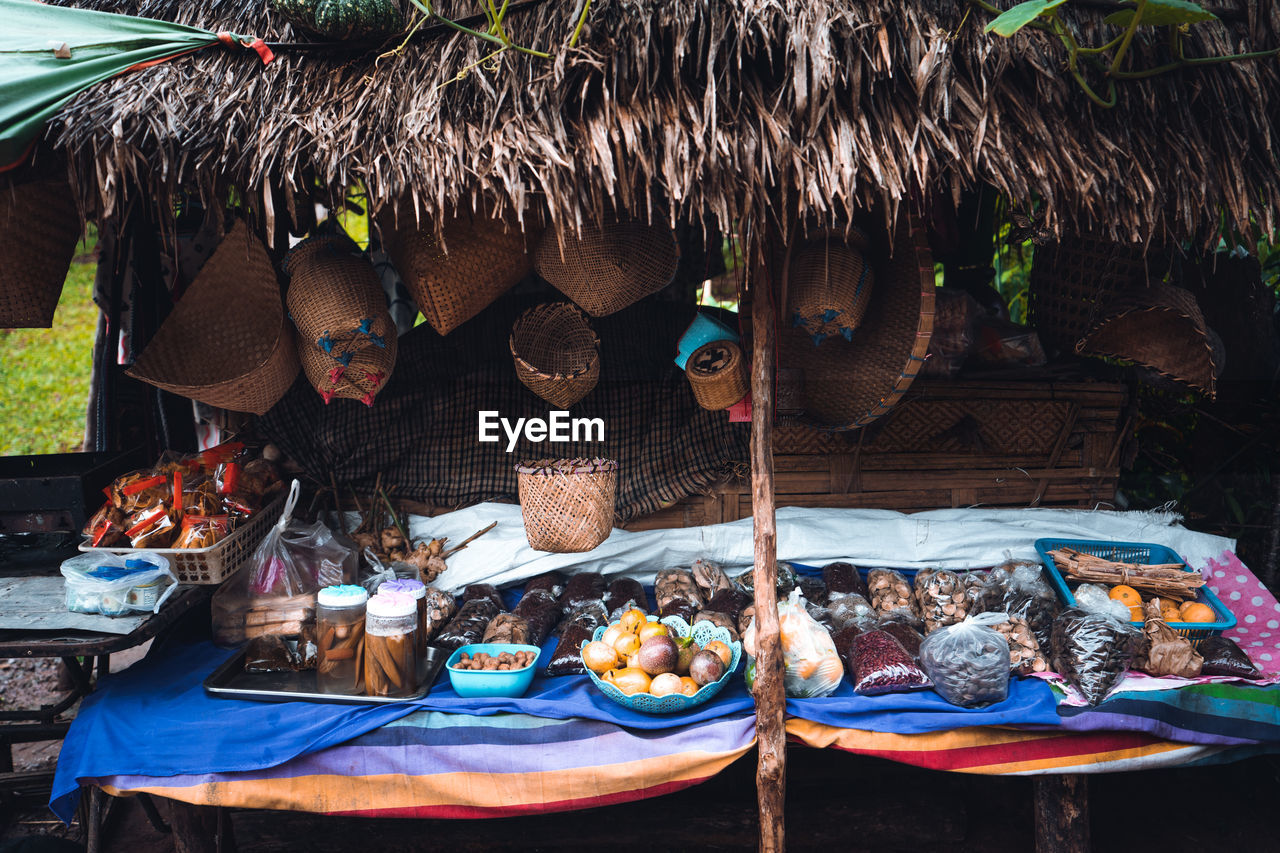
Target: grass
<point x="45" y="373"/>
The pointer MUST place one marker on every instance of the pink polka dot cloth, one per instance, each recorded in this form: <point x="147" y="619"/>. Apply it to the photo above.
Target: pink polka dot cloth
<point x="1256" y="610"/>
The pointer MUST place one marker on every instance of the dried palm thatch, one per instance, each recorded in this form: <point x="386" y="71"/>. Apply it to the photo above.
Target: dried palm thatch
<point x="727" y="108"/>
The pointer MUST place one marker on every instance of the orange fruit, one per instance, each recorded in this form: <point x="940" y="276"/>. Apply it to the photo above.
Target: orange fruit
<point x="1127" y="595"/>
<point x="722" y="649"/>
<point x="688" y="686"/>
<point x="1136" y="614"/>
<point x="653" y="629"/>
<point x="627" y="645"/>
<point x="632" y="620"/>
<point x="1194" y="611"/>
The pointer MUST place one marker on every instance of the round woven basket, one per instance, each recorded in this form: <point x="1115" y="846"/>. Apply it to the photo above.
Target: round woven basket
<point x="829" y="287"/>
<point x="480" y="259"/>
<point x="39" y="228"/>
<point x="718" y="374"/>
<point x="567" y="504"/>
<point x="337" y="302"/>
<point x="1068" y="282"/>
<point x="1160" y="327"/>
<point x="228" y="341"/>
<point x="850" y="383"/>
<point x="605" y="269"/>
<point x="556" y="353"/>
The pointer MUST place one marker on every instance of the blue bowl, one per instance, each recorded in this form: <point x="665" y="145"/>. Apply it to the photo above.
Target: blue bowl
<point x="473" y="683"/>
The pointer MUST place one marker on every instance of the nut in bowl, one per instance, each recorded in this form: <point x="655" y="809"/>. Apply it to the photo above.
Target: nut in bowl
<point x="492" y="669"/>
<point x="669" y="672"/>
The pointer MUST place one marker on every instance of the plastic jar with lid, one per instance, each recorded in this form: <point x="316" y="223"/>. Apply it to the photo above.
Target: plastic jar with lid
<point x="418" y="590"/>
<point x="340" y="613"/>
<point x="391" y="645"/>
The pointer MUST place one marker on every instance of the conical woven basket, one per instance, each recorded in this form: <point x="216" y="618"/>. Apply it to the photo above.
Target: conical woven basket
<point x="39" y="228"/>
<point x="829" y="287"/>
<point x="1070" y="280"/>
<point x="606" y="269"/>
<point x="556" y="353"/>
<point x="567" y="504"/>
<point x="227" y="342"/>
<point x="346" y="337"/>
<point x="481" y="259"/>
<point x="1160" y="327"/>
<point x="848" y="384"/>
<point x="718" y="374"/>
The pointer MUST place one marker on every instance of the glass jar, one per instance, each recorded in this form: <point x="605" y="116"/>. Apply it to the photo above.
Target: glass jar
<point x="391" y="639"/>
<point x="418" y="590"/>
<point x="340" y="644"/>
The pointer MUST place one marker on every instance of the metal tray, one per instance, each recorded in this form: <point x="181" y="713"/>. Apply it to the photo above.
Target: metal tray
<point x="230" y="681"/>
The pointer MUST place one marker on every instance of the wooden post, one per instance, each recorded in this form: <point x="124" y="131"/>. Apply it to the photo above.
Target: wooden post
<point x="771" y="736"/>
<point x="1062" y="813"/>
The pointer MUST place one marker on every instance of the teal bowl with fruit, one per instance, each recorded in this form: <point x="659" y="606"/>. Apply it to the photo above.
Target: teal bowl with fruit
<point x="659" y="663"/>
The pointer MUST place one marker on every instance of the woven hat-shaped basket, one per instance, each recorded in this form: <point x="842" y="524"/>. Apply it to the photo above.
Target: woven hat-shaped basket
<point x="605" y="269"/>
<point x="718" y="374"/>
<point x="567" y="504"/>
<point x="850" y="383"/>
<point x="337" y="302"/>
<point x="361" y="379"/>
<point x="556" y="353"/>
<point x="829" y="287"/>
<point x="481" y="258"/>
<point x="1070" y="279"/>
<point x="228" y="341"/>
<point x="39" y="228"/>
<point x="1160" y="327"/>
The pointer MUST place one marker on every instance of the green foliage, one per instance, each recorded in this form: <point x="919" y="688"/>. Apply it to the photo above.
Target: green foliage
<point x="1017" y="17"/>
<point x="1162" y="13"/>
<point x="45" y="373"/>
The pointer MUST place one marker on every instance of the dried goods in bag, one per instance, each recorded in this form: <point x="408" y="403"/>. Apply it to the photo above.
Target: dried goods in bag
<point x="843" y="578"/>
<point x="1019" y="589"/>
<point x="879" y="664"/>
<point x="941" y="598"/>
<point x="968" y="663"/>
<point x="551" y="583"/>
<point x="624" y="594"/>
<point x="1092" y="651"/>
<point x="540" y="610"/>
<point x="1167" y="652"/>
<point x="1222" y="656"/>
<point x="507" y="628"/>
<point x="483" y="590"/>
<point x="580" y="626"/>
<point x="850" y="608"/>
<point x="890" y="593"/>
<point x="730" y="602"/>
<point x="671" y="584"/>
<point x="709" y="577"/>
<point x="901" y="631"/>
<point x="468" y="624"/>
<point x="439" y="609"/>
<point x="581" y="589"/>
<point x="1025" y="654"/>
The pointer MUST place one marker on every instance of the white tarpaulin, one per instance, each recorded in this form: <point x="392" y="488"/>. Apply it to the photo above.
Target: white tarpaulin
<point x="947" y="538"/>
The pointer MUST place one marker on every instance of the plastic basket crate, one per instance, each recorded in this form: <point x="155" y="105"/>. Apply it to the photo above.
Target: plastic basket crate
<point x="1136" y="552"/>
<point x="217" y="562"/>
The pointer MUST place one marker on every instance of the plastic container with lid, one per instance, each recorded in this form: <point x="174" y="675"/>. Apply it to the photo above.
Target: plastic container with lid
<point x="117" y="586"/>
<point x="418" y="590"/>
<point x="391" y="644"/>
<point x="340" y="617"/>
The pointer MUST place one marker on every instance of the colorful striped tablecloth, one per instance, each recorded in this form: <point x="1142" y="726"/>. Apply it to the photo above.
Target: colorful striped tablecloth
<point x="439" y="765"/>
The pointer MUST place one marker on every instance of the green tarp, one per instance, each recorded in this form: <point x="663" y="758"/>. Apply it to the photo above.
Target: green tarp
<point x="35" y="81"/>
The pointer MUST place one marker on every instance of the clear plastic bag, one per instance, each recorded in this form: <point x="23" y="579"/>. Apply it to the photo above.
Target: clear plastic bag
<point x="671" y="584"/>
<point x="540" y="609"/>
<point x="890" y="593"/>
<point x="623" y="594"/>
<point x="968" y="662"/>
<point x="1095" y="598"/>
<point x="811" y="665"/>
<point x="579" y="628"/>
<point x="582" y="588"/>
<point x="1223" y="656"/>
<point x="1019" y="589"/>
<point x="843" y="578"/>
<point x="1092" y="651"/>
<point x="114" y="585"/>
<point x="879" y="664"/>
<point x="467" y="625"/>
<point x="941" y="598"/>
<point x="851" y="609"/>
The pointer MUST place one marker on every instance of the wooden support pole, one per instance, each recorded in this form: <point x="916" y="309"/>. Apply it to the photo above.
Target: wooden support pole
<point x="1062" y="813"/>
<point x="771" y="736"/>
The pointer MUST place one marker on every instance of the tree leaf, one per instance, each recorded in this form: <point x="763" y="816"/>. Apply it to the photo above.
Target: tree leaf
<point x="1162" y="13"/>
<point x="1015" y="18"/>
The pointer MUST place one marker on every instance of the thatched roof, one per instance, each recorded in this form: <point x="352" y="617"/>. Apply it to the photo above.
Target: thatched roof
<point x="715" y="107"/>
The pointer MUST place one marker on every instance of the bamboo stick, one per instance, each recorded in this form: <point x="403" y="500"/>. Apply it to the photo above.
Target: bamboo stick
<point x="771" y="738"/>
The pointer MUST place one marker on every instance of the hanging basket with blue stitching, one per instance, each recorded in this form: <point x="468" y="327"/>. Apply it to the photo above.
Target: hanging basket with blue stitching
<point x="830" y="284"/>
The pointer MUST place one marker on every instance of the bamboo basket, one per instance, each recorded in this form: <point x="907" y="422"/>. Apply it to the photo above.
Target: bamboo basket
<point x="347" y="340"/>
<point x="718" y="375"/>
<point x="556" y="353"/>
<point x="454" y="278"/>
<point x="39" y="228"/>
<point x="829" y="287"/>
<point x="228" y="341"/>
<point x="567" y="504"/>
<point x="605" y="269"/>
<point x="1160" y="327"/>
<point x="1070" y="280"/>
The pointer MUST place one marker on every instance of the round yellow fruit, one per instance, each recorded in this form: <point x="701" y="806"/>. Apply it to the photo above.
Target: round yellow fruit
<point x="599" y="657"/>
<point x="688" y="686"/>
<point x="612" y="633"/>
<point x="1194" y="611"/>
<point x="665" y="684"/>
<point x="633" y="620"/>
<point x="721" y="648"/>
<point x="631" y="680"/>
<point x="653" y="629"/>
<point x="627" y="645"/>
<point x="1126" y="594"/>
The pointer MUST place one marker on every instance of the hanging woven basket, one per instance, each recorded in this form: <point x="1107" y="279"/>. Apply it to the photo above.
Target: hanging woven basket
<point x="556" y="353"/>
<point x="567" y="504"/>
<point x="718" y="374"/>
<point x="830" y="284"/>
<point x="605" y="269"/>
<point x="850" y="383"/>
<point x="480" y="259"/>
<point x="228" y="341"/>
<point x="1069" y="281"/>
<point x="39" y="229"/>
<point x="1160" y="327"/>
<point x="346" y="337"/>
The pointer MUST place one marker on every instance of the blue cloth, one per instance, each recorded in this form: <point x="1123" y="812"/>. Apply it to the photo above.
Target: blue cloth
<point x="1030" y="702"/>
<point x="156" y="720"/>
